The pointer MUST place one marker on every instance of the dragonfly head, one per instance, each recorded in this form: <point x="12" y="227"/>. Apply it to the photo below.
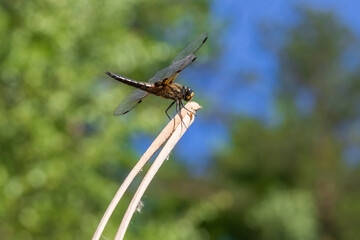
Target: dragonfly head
<point x="188" y="94"/>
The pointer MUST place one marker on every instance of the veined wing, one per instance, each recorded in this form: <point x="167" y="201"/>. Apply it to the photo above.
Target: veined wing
<point x="181" y="61"/>
<point x="169" y="74"/>
<point x="130" y="101"/>
<point x="192" y="48"/>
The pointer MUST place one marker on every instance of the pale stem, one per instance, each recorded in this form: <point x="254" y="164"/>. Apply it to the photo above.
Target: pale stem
<point x="173" y="131"/>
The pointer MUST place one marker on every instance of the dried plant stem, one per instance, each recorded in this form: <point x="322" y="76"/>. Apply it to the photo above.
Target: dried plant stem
<point x="173" y="130"/>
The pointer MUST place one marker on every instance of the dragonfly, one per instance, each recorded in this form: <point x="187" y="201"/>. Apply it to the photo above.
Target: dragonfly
<point x="162" y="83"/>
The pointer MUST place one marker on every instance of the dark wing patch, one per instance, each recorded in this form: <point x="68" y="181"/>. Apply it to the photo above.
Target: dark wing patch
<point x="169" y="74"/>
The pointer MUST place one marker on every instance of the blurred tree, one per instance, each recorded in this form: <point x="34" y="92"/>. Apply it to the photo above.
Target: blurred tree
<point x="291" y="181"/>
<point x="62" y="155"/>
<point x="315" y="61"/>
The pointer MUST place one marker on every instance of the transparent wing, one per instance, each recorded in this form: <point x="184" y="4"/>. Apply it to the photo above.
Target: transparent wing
<point x="169" y="74"/>
<point x="182" y="60"/>
<point x="192" y="48"/>
<point x="130" y="101"/>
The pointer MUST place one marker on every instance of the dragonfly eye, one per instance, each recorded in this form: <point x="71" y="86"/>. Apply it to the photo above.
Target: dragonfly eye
<point x="189" y="94"/>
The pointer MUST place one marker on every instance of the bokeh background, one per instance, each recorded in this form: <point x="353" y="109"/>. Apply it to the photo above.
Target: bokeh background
<point x="273" y="154"/>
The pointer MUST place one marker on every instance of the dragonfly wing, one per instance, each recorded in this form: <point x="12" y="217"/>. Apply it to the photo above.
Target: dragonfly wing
<point x="130" y="101"/>
<point x="192" y="48"/>
<point x="182" y="60"/>
<point x="169" y="74"/>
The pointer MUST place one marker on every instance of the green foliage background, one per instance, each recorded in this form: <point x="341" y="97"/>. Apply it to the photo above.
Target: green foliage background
<point x="62" y="155"/>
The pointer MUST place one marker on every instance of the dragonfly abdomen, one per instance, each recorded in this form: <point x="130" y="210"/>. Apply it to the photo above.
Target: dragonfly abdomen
<point x="141" y="85"/>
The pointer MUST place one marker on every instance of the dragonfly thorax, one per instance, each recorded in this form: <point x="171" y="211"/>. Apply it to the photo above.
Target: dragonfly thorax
<point x="187" y="93"/>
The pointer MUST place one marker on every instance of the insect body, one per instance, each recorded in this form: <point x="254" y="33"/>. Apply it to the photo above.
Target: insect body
<point x="162" y="83"/>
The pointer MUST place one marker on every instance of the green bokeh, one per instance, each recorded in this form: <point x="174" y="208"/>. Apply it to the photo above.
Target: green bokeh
<point x="63" y="155"/>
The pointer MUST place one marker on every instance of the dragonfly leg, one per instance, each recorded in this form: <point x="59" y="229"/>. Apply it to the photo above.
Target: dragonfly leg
<point x="166" y="111"/>
<point x="182" y="104"/>
<point x="178" y="108"/>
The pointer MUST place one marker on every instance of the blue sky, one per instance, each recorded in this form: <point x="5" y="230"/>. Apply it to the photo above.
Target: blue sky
<point x="241" y="54"/>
